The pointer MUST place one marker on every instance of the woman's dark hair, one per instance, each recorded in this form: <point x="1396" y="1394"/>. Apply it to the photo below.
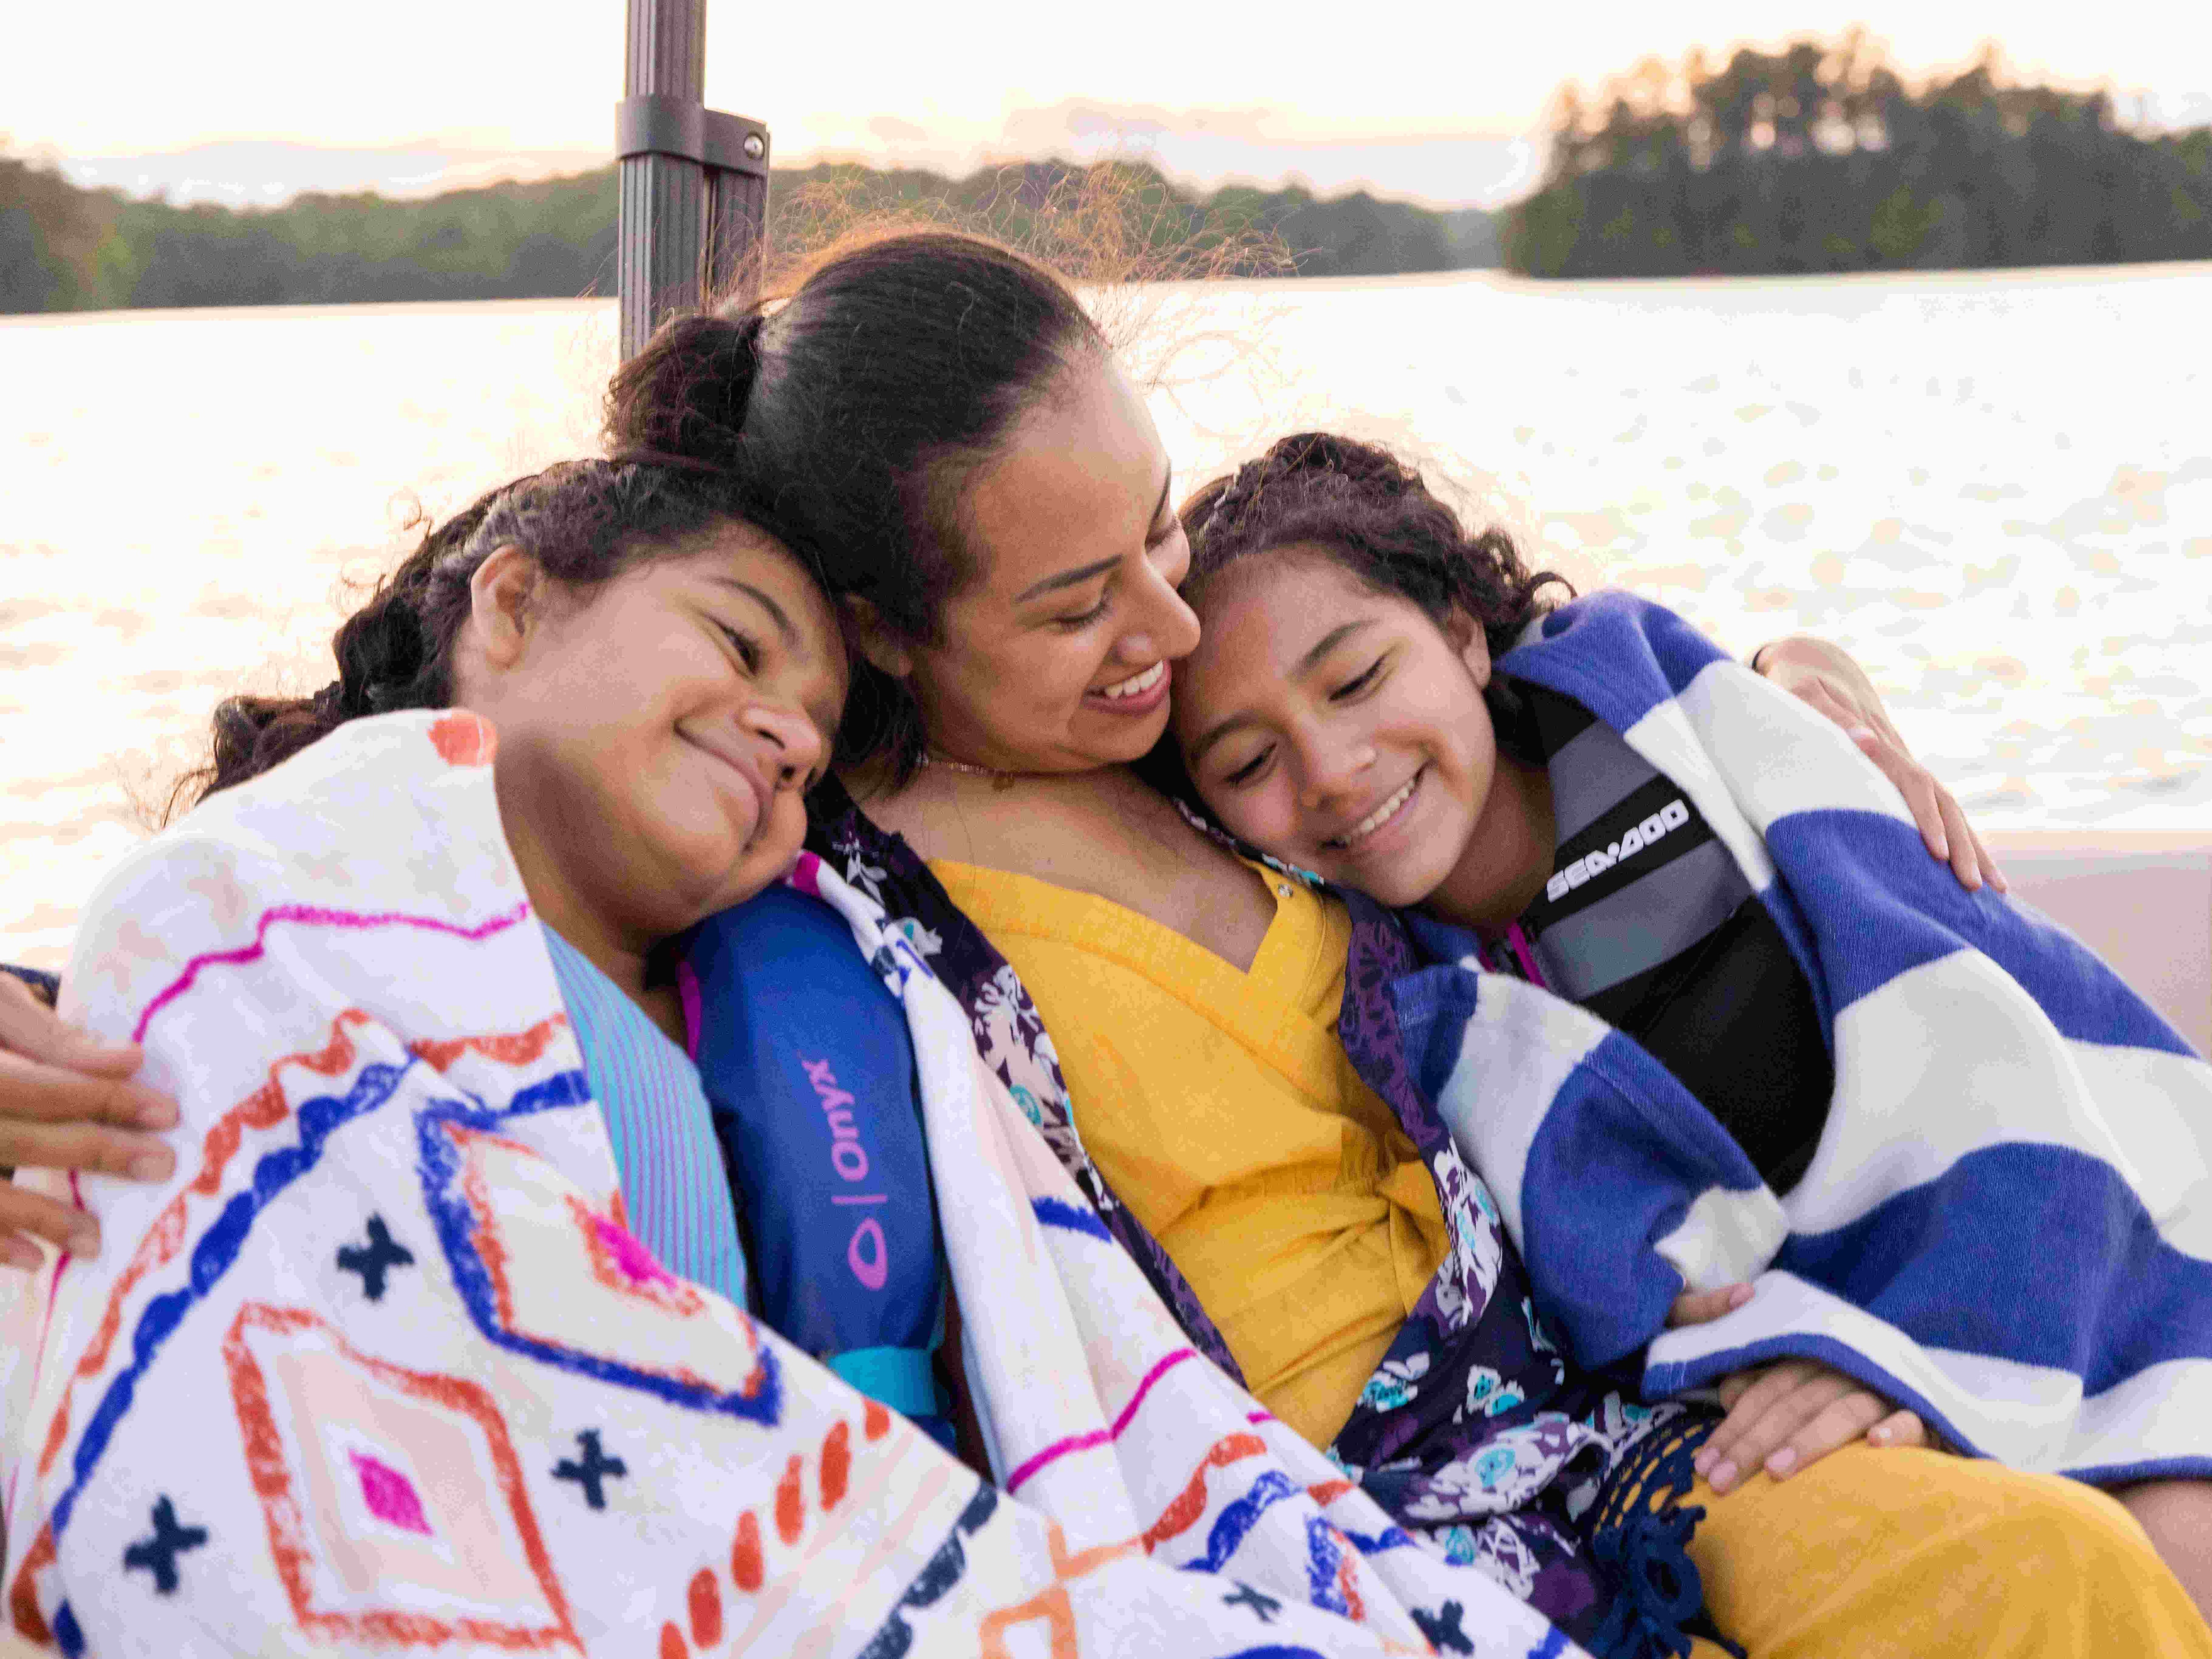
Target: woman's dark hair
<point x="863" y="399"/>
<point x="1372" y="514"/>
<point x="582" y="522"/>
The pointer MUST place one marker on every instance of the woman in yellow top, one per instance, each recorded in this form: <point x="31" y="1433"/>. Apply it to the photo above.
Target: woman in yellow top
<point x="980" y="477"/>
<point x="1239" y="1135"/>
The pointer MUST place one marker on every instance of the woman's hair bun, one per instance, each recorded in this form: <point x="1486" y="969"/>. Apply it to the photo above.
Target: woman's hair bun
<point x="686" y="393"/>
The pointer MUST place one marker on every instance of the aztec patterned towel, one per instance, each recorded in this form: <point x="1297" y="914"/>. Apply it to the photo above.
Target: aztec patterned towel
<point x="382" y="1369"/>
<point x="2007" y="1221"/>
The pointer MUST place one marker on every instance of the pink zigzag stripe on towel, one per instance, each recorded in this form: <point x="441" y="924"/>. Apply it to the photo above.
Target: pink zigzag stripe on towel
<point x="316" y="916"/>
<point x="1077" y="1443"/>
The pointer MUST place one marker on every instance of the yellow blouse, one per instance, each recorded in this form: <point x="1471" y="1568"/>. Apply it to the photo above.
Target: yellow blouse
<point x="1222" y="1108"/>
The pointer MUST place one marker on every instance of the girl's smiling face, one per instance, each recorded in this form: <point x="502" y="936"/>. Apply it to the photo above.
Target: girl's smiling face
<point x="658" y="732"/>
<point x="1337" y="727"/>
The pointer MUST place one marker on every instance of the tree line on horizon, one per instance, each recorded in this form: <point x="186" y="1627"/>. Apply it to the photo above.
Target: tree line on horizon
<point x="64" y="248"/>
<point x="1820" y="157"/>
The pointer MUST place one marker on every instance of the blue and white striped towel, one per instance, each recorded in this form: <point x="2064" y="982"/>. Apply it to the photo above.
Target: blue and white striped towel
<point x="2007" y="1225"/>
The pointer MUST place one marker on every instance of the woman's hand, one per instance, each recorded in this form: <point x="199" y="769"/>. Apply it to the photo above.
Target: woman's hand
<point x="67" y="1102"/>
<point x="1790" y="1415"/>
<point x="1829" y="679"/>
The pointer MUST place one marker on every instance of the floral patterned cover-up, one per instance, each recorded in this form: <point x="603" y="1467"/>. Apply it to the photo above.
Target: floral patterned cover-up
<point x="1476" y="1433"/>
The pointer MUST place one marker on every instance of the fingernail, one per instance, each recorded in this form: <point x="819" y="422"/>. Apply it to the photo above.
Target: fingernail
<point x="1738" y="1296"/>
<point x="149" y="1166"/>
<point x="1703" y="1462"/>
<point x="1782" y="1462"/>
<point x="1861" y="734"/>
<point x="1722" y="1477"/>
<point x="156" y="1114"/>
<point x="84" y="1241"/>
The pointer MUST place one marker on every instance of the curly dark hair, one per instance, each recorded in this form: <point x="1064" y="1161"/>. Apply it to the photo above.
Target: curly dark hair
<point x="584" y="523"/>
<point x="1373" y="514"/>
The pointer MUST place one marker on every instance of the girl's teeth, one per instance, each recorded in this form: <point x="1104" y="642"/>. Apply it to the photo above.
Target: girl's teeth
<point x="1375" y="820"/>
<point x="1137" y="684"/>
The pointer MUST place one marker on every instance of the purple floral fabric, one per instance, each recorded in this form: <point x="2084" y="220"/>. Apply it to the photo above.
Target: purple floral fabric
<point x="1476" y="1433"/>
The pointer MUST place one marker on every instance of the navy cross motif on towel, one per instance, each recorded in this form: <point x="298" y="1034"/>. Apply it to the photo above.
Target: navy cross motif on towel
<point x="375" y="1260"/>
<point x="1443" y="1628"/>
<point x="158" y="1553"/>
<point x="596" y="1468"/>
<point x="1262" y="1607"/>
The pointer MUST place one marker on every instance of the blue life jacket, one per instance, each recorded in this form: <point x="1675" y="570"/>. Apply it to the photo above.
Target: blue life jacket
<point x="808" y="1068"/>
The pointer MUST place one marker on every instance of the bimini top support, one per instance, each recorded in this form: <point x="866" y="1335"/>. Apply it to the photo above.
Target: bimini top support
<point x="694" y="181"/>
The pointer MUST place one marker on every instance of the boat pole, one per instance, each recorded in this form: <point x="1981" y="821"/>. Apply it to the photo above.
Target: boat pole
<point x="693" y="181"/>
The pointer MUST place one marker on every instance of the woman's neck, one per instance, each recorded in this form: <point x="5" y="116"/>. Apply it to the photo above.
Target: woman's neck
<point x="947" y="813"/>
<point x="1508" y="857"/>
<point x="1105" y="832"/>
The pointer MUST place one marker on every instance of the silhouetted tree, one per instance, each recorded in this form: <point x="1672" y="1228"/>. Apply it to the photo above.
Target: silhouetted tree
<point x="1820" y="158"/>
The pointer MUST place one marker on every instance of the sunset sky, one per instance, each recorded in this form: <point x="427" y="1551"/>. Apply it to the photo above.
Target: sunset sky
<point x="947" y="84"/>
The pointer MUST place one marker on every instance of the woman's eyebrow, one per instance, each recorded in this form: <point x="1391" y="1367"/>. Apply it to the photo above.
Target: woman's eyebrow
<point x="784" y="625"/>
<point x="1065" y="578"/>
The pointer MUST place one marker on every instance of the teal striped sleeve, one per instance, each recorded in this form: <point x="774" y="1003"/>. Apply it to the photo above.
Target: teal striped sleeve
<point x="674" y="1183"/>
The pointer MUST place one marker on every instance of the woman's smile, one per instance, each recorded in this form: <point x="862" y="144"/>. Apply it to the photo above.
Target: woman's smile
<point x="1140" y="694"/>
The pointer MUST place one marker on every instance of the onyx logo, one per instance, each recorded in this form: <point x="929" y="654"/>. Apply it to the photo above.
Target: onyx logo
<point x="866" y="1254"/>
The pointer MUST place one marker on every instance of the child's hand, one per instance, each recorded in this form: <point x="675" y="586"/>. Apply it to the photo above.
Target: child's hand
<point x="1828" y="678"/>
<point x="1703" y="1307"/>
<point x="66" y="1102"/>
<point x="1786" y="1416"/>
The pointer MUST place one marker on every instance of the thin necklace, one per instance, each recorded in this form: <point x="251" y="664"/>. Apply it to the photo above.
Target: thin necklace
<point x="1001" y="781"/>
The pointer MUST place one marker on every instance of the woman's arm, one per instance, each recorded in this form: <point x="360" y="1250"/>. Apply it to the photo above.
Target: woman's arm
<point x="1829" y="679"/>
<point x="67" y="1102"/>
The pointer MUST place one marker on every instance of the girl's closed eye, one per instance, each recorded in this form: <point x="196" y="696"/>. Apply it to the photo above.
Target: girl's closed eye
<point x="1251" y="769"/>
<point x="748" y="652"/>
<point x="1366" y="680"/>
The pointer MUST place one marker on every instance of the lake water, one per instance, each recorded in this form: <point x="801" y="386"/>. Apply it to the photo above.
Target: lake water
<point x="1995" y="488"/>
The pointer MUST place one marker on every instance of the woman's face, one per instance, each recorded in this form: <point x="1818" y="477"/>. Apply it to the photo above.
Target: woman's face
<point x="1337" y="727"/>
<point x="658" y="733"/>
<point x="1056" y="656"/>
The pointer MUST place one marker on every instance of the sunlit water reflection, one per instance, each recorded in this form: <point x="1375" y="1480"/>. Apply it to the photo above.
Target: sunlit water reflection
<point x="1998" y="489"/>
